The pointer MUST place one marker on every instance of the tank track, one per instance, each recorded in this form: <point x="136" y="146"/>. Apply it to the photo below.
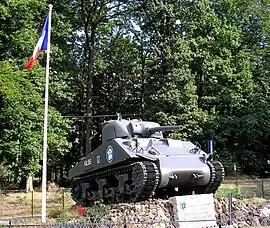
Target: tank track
<point x="132" y="183"/>
<point x="129" y="183"/>
<point x="217" y="176"/>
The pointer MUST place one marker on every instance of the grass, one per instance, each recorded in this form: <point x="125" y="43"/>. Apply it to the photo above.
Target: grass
<point x="247" y="195"/>
<point x="239" y="191"/>
<point x="27" y="204"/>
<point x="60" y="207"/>
<point x="59" y="215"/>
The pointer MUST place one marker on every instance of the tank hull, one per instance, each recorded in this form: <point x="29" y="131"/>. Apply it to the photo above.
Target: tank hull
<point x="183" y="172"/>
<point x="140" y="179"/>
<point x="125" y="168"/>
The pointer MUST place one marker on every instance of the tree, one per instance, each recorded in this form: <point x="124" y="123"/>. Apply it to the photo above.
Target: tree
<point x="225" y="43"/>
<point x="168" y="85"/>
<point x="90" y="18"/>
<point x="22" y="122"/>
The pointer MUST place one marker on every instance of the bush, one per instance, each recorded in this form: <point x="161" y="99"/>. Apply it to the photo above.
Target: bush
<point x="3" y="172"/>
<point x="237" y="192"/>
<point x="63" y="215"/>
<point x="97" y="211"/>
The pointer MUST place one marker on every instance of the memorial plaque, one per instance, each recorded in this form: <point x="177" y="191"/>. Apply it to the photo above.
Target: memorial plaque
<point x="194" y="211"/>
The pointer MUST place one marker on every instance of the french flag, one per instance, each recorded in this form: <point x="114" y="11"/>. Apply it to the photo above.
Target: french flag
<point x="41" y="45"/>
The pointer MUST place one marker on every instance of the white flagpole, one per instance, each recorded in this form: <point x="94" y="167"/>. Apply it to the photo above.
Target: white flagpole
<point x="44" y="166"/>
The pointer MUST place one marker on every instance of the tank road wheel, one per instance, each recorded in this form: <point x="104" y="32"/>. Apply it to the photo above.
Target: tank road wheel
<point x="120" y="193"/>
<point x="93" y="191"/>
<point x="109" y="195"/>
<point x="76" y="191"/>
<point x="119" y="196"/>
<point x="133" y="185"/>
<point x="130" y="193"/>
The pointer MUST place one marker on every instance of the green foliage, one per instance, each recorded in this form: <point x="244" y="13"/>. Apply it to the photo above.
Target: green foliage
<point x="224" y="192"/>
<point x="200" y="64"/>
<point x="224" y="60"/>
<point x="22" y="123"/>
<point x="21" y="114"/>
<point x="238" y="192"/>
<point x="61" y="215"/>
<point x="97" y="210"/>
<point x="18" y="27"/>
<point x="3" y="172"/>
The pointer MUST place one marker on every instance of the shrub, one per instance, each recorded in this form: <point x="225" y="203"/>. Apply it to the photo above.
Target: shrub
<point x="97" y="210"/>
<point x="63" y="215"/>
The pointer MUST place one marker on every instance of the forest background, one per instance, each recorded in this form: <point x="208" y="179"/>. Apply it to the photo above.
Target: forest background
<point x="198" y="63"/>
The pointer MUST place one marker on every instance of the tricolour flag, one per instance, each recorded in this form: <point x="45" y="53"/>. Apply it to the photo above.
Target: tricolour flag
<point x="41" y="45"/>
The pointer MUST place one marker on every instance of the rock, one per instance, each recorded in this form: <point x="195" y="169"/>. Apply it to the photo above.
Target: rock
<point x="243" y="214"/>
<point x="159" y="213"/>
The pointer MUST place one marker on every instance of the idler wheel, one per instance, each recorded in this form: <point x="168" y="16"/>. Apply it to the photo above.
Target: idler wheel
<point x="139" y="178"/>
<point x="219" y="170"/>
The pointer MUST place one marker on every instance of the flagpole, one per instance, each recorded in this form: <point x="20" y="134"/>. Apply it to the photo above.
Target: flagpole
<point x="44" y="166"/>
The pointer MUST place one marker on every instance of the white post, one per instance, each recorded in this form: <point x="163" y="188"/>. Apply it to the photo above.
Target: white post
<point x="44" y="166"/>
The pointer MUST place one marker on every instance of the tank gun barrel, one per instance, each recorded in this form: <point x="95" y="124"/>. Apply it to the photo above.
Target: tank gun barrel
<point x="164" y="128"/>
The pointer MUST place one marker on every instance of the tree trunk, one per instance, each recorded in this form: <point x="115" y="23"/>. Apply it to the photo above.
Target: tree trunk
<point x="29" y="184"/>
<point x="90" y="41"/>
<point x="142" y="79"/>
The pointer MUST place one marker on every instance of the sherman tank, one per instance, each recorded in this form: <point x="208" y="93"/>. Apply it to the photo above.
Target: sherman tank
<point x="137" y="161"/>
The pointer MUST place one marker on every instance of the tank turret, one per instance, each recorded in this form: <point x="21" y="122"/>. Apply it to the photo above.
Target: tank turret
<point x="133" y="128"/>
<point x="135" y="162"/>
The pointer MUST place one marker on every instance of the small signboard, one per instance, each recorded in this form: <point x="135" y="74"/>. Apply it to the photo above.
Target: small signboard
<point x="194" y="211"/>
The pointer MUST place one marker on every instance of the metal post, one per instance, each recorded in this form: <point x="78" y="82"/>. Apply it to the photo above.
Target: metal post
<point x="262" y="183"/>
<point x="44" y="156"/>
<point x="210" y="146"/>
<point x="230" y="208"/>
<point x="63" y="198"/>
<point x="219" y="221"/>
<point x="32" y="209"/>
